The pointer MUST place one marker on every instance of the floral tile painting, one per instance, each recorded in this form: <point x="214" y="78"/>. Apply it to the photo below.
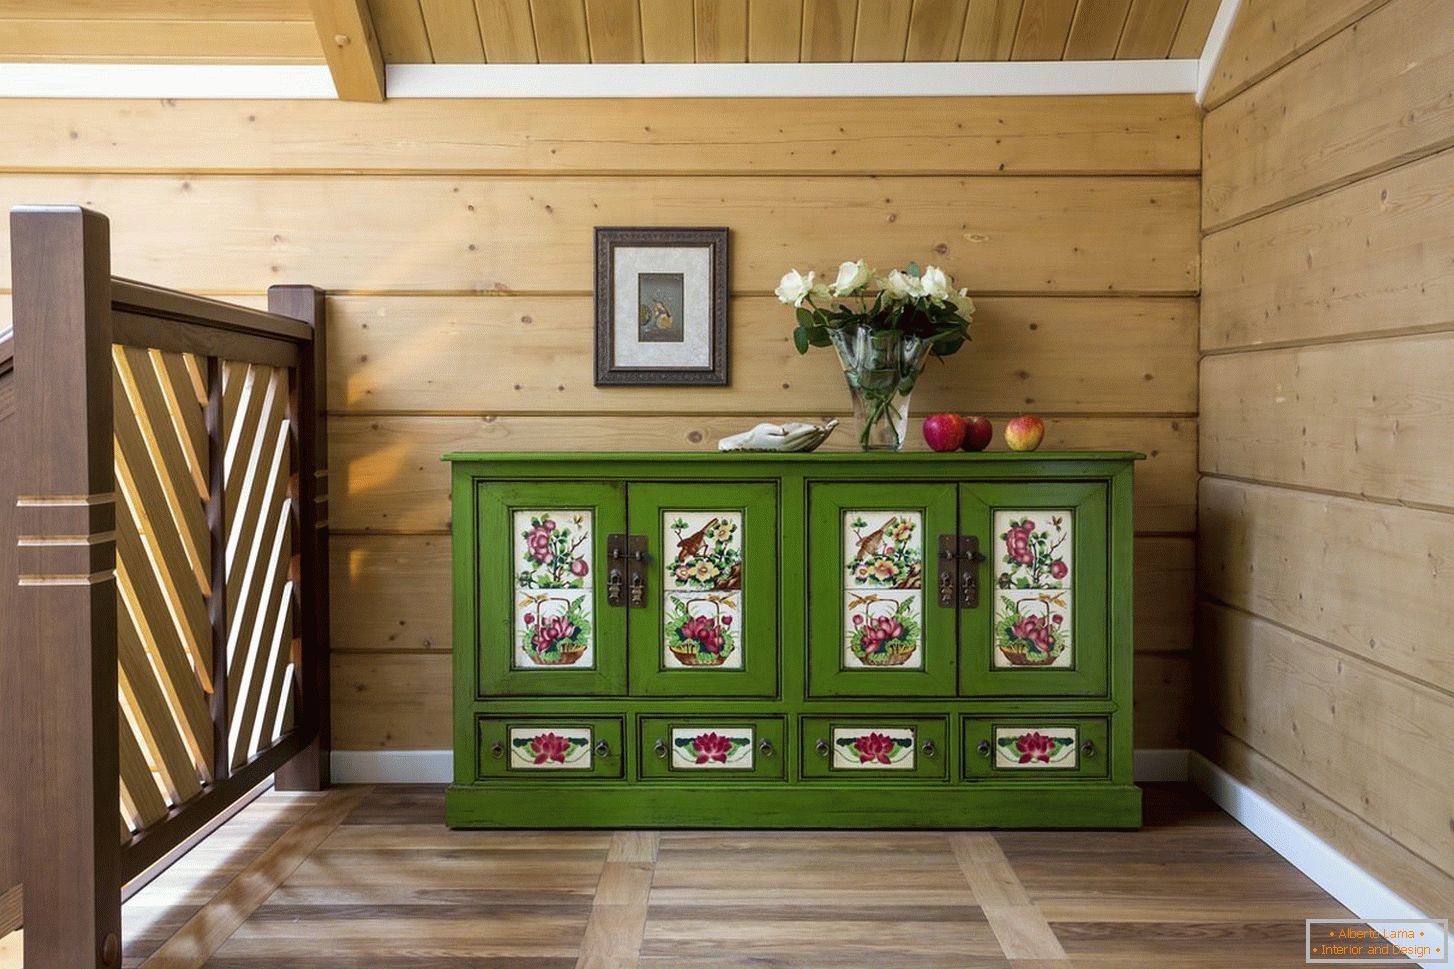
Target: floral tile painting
<point x="554" y="604"/>
<point x="702" y="630"/>
<point x="883" y="549"/>
<point x="550" y="748"/>
<point x="1032" y="748"/>
<point x="1032" y="628"/>
<point x="1033" y="549"/>
<point x="873" y="748"/>
<point x="702" y="550"/>
<point x="711" y="748"/>
<point x="883" y="630"/>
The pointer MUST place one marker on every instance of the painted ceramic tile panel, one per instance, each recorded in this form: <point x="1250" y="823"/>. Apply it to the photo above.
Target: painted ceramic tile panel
<point x="711" y="748"/>
<point x="883" y="549"/>
<point x="1033" y="578"/>
<point x="550" y="748"/>
<point x="702" y="589"/>
<point x="873" y="748"/>
<point x="1032" y="628"/>
<point x="1035" y="748"/>
<point x="703" y="630"/>
<point x="883" y="630"/>
<point x="554" y="606"/>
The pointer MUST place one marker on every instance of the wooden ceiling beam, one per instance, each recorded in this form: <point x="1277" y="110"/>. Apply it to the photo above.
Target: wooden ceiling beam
<point x="351" y="47"/>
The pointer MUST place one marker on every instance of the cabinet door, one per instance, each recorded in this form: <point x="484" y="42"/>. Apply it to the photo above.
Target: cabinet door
<point x="876" y="623"/>
<point x="1040" y="626"/>
<point x="709" y="623"/>
<point x="544" y="624"/>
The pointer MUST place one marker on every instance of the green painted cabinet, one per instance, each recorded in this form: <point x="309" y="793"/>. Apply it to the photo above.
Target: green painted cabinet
<point x="875" y="641"/>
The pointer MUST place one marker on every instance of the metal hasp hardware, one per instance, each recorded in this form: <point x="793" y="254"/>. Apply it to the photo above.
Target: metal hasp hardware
<point x="636" y="566"/>
<point x="948" y="569"/>
<point x="615" y="569"/>
<point x="969" y="559"/>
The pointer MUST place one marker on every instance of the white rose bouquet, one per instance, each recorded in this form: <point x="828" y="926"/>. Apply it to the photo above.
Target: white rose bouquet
<point x="883" y="327"/>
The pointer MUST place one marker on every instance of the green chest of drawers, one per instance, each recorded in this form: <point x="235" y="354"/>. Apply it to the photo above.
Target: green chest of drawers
<point x="845" y="641"/>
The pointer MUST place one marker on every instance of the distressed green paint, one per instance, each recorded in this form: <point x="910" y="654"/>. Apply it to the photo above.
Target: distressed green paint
<point x="798" y="791"/>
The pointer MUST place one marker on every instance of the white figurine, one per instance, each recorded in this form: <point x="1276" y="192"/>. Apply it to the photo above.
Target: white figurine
<point x="779" y="437"/>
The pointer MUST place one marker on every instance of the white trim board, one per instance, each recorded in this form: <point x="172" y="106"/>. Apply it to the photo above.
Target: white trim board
<point x="283" y="81"/>
<point x="1216" y="44"/>
<point x="1361" y="893"/>
<point x="437" y="766"/>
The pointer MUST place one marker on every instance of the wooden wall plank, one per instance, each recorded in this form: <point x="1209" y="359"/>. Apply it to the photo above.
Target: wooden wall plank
<point x="403" y="38"/>
<point x="1371" y="257"/>
<point x="882" y="30"/>
<point x="1317" y="712"/>
<point x="615" y="29"/>
<point x="1149" y="29"/>
<point x="935" y="30"/>
<point x="156" y="10"/>
<point x="1362" y="576"/>
<point x="669" y="31"/>
<point x="1043" y="30"/>
<point x="560" y="31"/>
<point x="1025" y="353"/>
<point x="1163" y="704"/>
<point x="989" y="30"/>
<point x="1096" y="29"/>
<point x="1139" y="134"/>
<point x="1196" y="24"/>
<point x="1386" y="85"/>
<point x="721" y="31"/>
<point x="506" y="31"/>
<point x="387" y="475"/>
<point x="1267" y="34"/>
<point x="995" y="234"/>
<point x="828" y="29"/>
<point x="160" y="41"/>
<point x="391" y="593"/>
<point x="1372" y="418"/>
<point x="454" y="31"/>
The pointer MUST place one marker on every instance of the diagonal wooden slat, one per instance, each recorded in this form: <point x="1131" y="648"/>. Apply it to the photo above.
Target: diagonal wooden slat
<point x="161" y="730"/>
<point x="138" y="786"/>
<point x="260" y="708"/>
<point x="828" y="27"/>
<point x="1043" y="30"/>
<point x="251" y="478"/>
<point x="247" y="670"/>
<point x="246" y="396"/>
<point x="189" y="415"/>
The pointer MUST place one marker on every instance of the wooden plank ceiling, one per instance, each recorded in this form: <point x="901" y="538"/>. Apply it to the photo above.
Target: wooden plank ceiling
<point x="612" y="31"/>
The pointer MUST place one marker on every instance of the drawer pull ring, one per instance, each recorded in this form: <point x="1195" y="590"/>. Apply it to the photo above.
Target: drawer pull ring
<point x="603" y="749"/>
<point x="1088" y="748"/>
<point x="821" y="747"/>
<point x="497" y="749"/>
<point x="929" y="749"/>
<point x="984" y="748"/>
<point x="765" y="748"/>
<point x="660" y="748"/>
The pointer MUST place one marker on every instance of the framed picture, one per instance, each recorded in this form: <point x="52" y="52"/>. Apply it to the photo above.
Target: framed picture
<point x="661" y="306"/>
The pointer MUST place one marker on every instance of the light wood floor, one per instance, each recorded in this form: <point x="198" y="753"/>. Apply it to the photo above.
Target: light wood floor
<point x="370" y="877"/>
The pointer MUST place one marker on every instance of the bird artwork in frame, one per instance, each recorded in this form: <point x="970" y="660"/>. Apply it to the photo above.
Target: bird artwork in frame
<point x="661" y="306"/>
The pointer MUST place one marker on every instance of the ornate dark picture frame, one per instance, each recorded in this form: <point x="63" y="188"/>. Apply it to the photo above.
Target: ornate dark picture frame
<point x="608" y="240"/>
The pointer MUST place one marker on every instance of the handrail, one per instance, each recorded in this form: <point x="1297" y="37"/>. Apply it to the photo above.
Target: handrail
<point x="170" y="304"/>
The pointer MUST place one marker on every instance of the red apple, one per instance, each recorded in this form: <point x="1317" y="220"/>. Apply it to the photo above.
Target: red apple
<point x="978" y="432"/>
<point x="1024" y="433"/>
<point x="944" y="432"/>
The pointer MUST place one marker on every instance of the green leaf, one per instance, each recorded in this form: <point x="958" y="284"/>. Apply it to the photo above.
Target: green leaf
<point x="819" y="337"/>
<point x="801" y="339"/>
<point x="805" y="317"/>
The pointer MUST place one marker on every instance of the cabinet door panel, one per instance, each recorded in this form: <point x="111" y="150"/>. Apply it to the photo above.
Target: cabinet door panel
<point x="545" y="627"/>
<point x="1040" y="626"/>
<point x="876" y="625"/>
<point x="875" y="748"/>
<point x="709" y="623"/>
<point x="563" y="748"/>
<point x="1014" y="748"/>
<point x="692" y="748"/>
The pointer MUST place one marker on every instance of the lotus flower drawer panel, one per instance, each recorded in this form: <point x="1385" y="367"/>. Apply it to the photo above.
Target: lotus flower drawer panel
<point x="822" y="640"/>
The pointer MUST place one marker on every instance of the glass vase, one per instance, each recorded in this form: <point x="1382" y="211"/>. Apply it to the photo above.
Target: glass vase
<point x="881" y="368"/>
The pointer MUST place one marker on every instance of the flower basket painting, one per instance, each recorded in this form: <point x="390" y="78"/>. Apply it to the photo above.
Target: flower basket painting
<point x="554" y="613"/>
<point x="1033" y="629"/>
<point x="700" y="630"/>
<point x="883" y="562"/>
<point x="702" y="589"/>
<point x="1033" y="563"/>
<point x="873" y="748"/>
<point x="1017" y="748"/>
<point x="884" y="630"/>
<point x="550" y="748"/>
<point x="717" y="748"/>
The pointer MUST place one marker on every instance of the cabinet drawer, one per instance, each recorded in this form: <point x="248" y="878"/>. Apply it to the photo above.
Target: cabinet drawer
<point x="565" y="747"/>
<point x="892" y="748"/>
<point x="712" y="747"/>
<point x="1021" y="747"/>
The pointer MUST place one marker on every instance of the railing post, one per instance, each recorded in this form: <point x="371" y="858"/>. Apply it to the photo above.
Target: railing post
<point x="308" y="418"/>
<point x="64" y="732"/>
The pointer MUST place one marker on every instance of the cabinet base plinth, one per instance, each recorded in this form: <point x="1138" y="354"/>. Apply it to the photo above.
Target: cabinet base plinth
<point x="723" y="805"/>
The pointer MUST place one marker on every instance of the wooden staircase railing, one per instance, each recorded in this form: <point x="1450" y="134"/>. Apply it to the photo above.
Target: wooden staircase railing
<point x="166" y="583"/>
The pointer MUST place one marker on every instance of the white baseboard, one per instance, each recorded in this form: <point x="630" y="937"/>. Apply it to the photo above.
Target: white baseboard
<point x="437" y="766"/>
<point x="1361" y="893"/>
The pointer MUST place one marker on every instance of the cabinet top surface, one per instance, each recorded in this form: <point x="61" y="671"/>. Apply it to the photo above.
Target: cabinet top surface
<point x="840" y="457"/>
